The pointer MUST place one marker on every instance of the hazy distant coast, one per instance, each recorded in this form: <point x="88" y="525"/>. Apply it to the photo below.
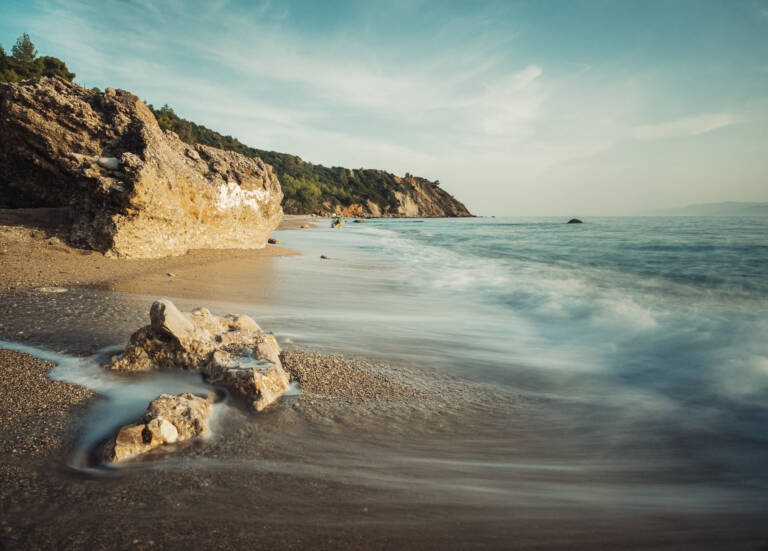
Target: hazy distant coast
<point x="728" y="208"/>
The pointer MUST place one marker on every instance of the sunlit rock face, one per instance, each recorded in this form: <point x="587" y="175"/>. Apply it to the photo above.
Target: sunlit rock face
<point x="168" y="420"/>
<point x="229" y="350"/>
<point x="134" y="190"/>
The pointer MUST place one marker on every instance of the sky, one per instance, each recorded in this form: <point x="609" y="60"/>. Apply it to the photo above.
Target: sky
<point x="570" y="108"/>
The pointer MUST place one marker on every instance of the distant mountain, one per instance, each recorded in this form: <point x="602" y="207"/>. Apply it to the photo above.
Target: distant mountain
<point x="729" y="208"/>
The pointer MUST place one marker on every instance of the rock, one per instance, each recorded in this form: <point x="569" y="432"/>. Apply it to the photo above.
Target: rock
<point x="109" y="91"/>
<point x="305" y="226"/>
<point x="166" y="319"/>
<point x="260" y="380"/>
<point x="171" y="274"/>
<point x="110" y="163"/>
<point x="273" y="241"/>
<point x="323" y="257"/>
<point x="133" y="190"/>
<point x="358" y="221"/>
<point x="337" y="223"/>
<point x="167" y="420"/>
<point x="231" y="350"/>
<point x="575" y="221"/>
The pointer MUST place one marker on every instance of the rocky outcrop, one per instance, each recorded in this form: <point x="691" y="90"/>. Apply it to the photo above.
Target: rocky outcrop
<point x="168" y="419"/>
<point x="337" y="223"/>
<point x="575" y="221"/>
<point x="412" y="197"/>
<point x="232" y="351"/>
<point x="133" y="189"/>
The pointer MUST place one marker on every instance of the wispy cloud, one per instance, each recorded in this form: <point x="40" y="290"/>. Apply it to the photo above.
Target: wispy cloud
<point x="691" y="126"/>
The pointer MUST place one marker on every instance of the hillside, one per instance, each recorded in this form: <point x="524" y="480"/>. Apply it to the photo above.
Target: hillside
<point x="310" y="188"/>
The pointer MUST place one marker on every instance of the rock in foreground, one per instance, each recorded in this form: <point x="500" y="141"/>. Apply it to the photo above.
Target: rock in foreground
<point x="230" y="350"/>
<point x="134" y="190"/>
<point x="168" y="419"/>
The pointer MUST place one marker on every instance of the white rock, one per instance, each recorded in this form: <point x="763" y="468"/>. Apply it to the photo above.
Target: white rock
<point x="110" y="163"/>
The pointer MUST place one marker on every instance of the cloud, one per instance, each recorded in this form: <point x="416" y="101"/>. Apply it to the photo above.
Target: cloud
<point x="680" y="128"/>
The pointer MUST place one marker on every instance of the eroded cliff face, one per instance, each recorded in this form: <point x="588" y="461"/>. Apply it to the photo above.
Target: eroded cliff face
<point x="133" y="189"/>
<point x="414" y="197"/>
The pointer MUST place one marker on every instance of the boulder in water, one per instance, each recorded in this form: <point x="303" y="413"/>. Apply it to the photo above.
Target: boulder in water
<point x="167" y="420"/>
<point x="337" y="223"/>
<point x="575" y="221"/>
<point x="231" y="350"/>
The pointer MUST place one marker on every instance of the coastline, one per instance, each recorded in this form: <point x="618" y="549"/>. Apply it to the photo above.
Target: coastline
<point x="394" y="450"/>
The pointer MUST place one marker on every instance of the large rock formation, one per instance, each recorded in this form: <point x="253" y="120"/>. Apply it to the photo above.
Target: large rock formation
<point x="230" y="350"/>
<point x="168" y="419"/>
<point x="134" y="190"/>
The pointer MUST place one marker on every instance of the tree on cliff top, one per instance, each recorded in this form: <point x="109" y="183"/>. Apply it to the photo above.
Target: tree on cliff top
<point x="23" y="63"/>
<point x="24" y="51"/>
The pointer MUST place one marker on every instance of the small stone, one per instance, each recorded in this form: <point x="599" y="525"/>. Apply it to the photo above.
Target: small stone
<point x="163" y="431"/>
<point x="51" y="289"/>
<point x="273" y="241"/>
<point x="110" y="163"/>
<point x="171" y="274"/>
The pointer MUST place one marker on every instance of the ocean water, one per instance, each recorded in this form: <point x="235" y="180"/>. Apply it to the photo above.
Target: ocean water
<point x="613" y="370"/>
<point x="638" y="346"/>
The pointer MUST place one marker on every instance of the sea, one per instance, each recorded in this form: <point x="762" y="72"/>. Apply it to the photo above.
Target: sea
<point x="615" y="369"/>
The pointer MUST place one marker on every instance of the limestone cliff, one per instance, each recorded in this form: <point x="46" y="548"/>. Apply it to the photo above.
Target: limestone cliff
<point x="134" y="189"/>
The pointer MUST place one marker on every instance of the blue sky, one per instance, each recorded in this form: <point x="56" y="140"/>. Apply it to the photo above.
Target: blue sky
<point x="520" y="108"/>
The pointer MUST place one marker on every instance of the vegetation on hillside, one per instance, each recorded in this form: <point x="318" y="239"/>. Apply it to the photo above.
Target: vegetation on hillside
<point x="23" y="63"/>
<point x="307" y="187"/>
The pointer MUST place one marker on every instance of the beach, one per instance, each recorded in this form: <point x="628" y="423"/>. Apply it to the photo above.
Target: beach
<point x="425" y="416"/>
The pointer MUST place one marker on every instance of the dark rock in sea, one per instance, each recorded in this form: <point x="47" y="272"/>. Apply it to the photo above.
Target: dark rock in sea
<point x="575" y="221"/>
<point x="273" y="241"/>
<point x="358" y="221"/>
<point x="323" y="257"/>
<point x="337" y="223"/>
<point x="133" y="189"/>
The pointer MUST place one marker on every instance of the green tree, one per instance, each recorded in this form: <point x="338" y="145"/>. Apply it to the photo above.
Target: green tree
<point x="24" y="51"/>
<point x="54" y="67"/>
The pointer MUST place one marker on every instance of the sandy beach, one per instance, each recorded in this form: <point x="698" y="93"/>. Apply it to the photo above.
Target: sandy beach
<point x="182" y="501"/>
